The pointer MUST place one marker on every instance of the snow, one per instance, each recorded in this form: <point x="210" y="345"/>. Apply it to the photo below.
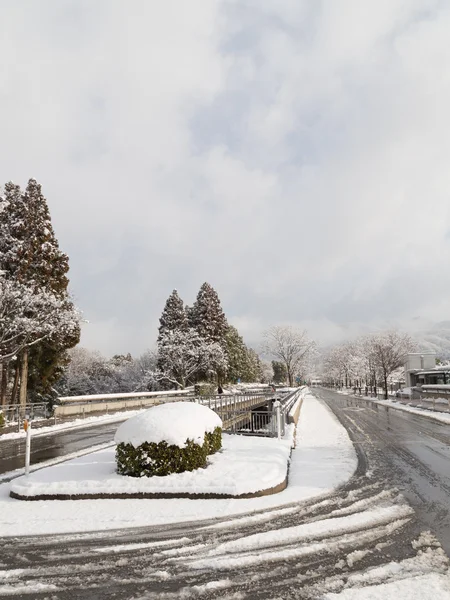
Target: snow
<point x="323" y="459"/>
<point x="432" y="586"/>
<point x="315" y="530"/>
<point x="245" y="465"/>
<point x="174" y="423"/>
<point x="437" y="416"/>
<point x="75" y="424"/>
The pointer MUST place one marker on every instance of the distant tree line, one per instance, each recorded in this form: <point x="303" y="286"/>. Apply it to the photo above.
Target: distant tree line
<point x="368" y="361"/>
<point x="195" y="344"/>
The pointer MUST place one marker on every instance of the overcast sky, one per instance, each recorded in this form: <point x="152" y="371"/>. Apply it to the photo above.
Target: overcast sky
<point x="293" y="153"/>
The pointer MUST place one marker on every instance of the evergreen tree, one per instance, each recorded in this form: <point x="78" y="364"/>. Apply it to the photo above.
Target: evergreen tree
<point x="237" y="355"/>
<point x="174" y="317"/>
<point x="207" y="316"/>
<point x="255" y="372"/>
<point x="279" y="372"/>
<point x="30" y="255"/>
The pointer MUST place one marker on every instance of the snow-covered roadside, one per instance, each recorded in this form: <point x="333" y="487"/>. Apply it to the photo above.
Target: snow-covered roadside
<point x="75" y="424"/>
<point x="432" y="414"/>
<point x="323" y="459"/>
<point x="431" y="586"/>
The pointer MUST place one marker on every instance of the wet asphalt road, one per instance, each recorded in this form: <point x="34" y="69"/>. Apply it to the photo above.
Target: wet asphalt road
<point x="45" y="447"/>
<point x="408" y="451"/>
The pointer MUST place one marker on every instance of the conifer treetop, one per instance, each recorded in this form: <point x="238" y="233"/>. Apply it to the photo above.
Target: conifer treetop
<point x="173" y="317"/>
<point x="207" y="315"/>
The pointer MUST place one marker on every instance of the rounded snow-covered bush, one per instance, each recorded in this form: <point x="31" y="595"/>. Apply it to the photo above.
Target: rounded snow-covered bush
<point x="170" y="438"/>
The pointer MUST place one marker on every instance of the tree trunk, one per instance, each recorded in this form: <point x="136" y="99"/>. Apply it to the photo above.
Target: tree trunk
<point x="4" y="383"/>
<point x="386" y="396"/>
<point x="23" y="378"/>
<point x="16" y="382"/>
<point x="291" y="379"/>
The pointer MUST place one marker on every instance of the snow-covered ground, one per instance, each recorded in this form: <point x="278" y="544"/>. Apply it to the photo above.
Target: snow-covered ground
<point x="246" y="465"/>
<point x="323" y="459"/>
<point x="116" y="417"/>
<point x="433" y="586"/>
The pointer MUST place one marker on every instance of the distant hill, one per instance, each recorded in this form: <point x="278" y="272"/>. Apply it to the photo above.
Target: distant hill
<point x="436" y="339"/>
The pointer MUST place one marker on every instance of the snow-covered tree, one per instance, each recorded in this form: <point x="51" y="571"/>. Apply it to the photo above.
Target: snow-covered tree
<point x="30" y="255"/>
<point x="207" y="316"/>
<point x="266" y="371"/>
<point x="368" y="360"/>
<point x="236" y="354"/>
<point x="174" y="317"/>
<point x="388" y="351"/>
<point x="254" y="371"/>
<point x="29" y="317"/>
<point x="182" y="355"/>
<point x="88" y="372"/>
<point x="290" y="346"/>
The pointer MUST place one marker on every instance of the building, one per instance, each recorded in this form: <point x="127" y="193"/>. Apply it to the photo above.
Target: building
<point x="421" y="369"/>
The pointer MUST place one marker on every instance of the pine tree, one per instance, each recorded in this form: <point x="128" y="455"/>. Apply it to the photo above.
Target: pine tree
<point x="255" y="372"/>
<point x="30" y="255"/>
<point x="174" y="317"/>
<point x="207" y="316"/>
<point x="237" y="355"/>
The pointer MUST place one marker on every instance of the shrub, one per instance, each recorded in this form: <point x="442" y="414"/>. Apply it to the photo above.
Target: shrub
<point x="213" y="440"/>
<point x="151" y="459"/>
<point x="2" y="419"/>
<point x="205" y="389"/>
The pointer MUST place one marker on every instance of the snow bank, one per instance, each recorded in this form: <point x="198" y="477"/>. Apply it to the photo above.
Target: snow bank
<point x="426" y="587"/>
<point x="246" y="465"/>
<point x="174" y="423"/>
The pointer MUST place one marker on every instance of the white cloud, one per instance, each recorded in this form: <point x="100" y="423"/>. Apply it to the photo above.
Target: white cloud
<point x="294" y="154"/>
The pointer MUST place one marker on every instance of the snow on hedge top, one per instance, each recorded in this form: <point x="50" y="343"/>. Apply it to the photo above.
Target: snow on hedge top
<point x="174" y="423"/>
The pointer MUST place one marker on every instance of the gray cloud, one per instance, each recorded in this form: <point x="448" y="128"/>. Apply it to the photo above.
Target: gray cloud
<point x="294" y="154"/>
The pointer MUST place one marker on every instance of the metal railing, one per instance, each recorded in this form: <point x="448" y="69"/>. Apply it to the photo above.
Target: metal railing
<point x="16" y="413"/>
<point x="252" y="422"/>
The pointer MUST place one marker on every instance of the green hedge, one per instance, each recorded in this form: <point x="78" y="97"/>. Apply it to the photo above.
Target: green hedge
<point x="205" y="389"/>
<point x="150" y="459"/>
<point x="213" y="441"/>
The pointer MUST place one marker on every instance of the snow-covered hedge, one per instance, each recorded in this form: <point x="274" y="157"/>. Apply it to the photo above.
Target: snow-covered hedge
<point x="170" y="438"/>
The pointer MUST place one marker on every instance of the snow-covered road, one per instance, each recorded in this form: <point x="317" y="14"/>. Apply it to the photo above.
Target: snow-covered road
<point x="325" y="543"/>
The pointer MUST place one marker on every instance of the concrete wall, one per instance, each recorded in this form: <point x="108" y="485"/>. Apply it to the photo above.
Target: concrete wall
<point x="68" y="410"/>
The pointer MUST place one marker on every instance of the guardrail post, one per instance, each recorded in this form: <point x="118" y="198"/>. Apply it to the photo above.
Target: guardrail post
<point x="277" y="407"/>
<point x="27" y="445"/>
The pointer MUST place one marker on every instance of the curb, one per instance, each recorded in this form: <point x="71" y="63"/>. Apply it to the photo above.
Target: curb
<point x="154" y="496"/>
